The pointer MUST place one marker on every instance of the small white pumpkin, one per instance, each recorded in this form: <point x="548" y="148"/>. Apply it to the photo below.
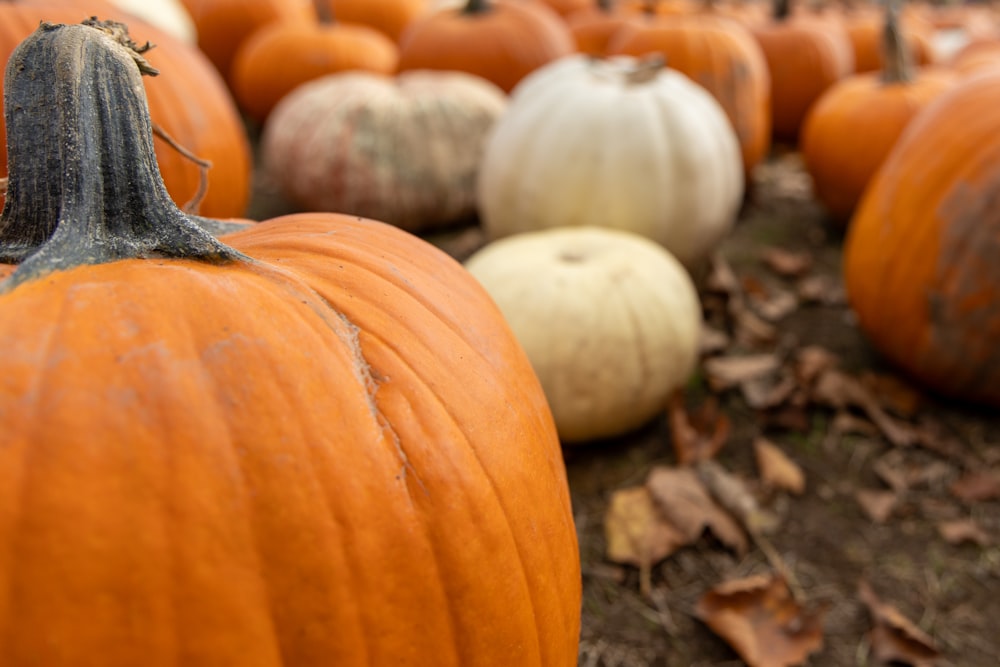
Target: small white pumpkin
<point x="403" y="149"/>
<point x="616" y="142"/>
<point x="609" y="319"/>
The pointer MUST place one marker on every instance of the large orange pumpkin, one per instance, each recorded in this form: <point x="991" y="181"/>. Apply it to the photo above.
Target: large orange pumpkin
<point x="922" y="255"/>
<point x="500" y="40"/>
<point x="189" y="101"/>
<point x="854" y="124"/>
<point x="317" y="445"/>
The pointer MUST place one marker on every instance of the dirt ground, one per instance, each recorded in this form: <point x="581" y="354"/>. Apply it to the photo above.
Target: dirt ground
<point x="945" y="584"/>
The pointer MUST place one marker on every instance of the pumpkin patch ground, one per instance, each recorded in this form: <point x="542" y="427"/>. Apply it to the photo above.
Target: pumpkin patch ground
<point x="842" y="516"/>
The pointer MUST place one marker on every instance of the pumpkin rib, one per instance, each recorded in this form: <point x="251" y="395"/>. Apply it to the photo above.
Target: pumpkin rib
<point x="367" y="332"/>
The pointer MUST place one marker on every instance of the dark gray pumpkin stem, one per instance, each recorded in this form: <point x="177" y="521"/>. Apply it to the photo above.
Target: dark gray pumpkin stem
<point x="84" y="186"/>
<point x="896" y="65"/>
<point x="477" y="7"/>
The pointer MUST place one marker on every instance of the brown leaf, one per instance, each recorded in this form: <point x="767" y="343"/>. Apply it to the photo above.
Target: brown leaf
<point x="777" y="470"/>
<point x="637" y="533"/>
<point x="768" y="391"/>
<point x="729" y="371"/>
<point x="894" y="638"/>
<point x="759" y="618"/>
<point x="787" y="263"/>
<point x="733" y="495"/>
<point x="721" y="277"/>
<point x="684" y="501"/>
<point x="712" y="341"/>
<point x="776" y="305"/>
<point x="821" y="288"/>
<point x="811" y="361"/>
<point x="877" y="505"/>
<point x="750" y="328"/>
<point x="963" y="530"/>
<point x="893" y="394"/>
<point x="838" y="390"/>
<point x="845" y="422"/>
<point x="696" y="435"/>
<point x="976" y="486"/>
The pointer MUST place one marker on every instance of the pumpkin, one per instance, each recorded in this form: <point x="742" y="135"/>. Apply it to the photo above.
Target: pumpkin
<point x="280" y="56"/>
<point x="805" y="56"/>
<point x="566" y="7"/>
<point x="854" y="124"/>
<point x="189" y="101"/>
<point x="402" y="149"/>
<point x="609" y="319"/>
<point x="864" y="29"/>
<point x="222" y="25"/>
<point x="499" y="40"/>
<point x="621" y="142"/>
<point x="593" y="26"/>
<point x="314" y="442"/>
<point x="170" y="16"/>
<point x="975" y="55"/>
<point x="389" y="17"/>
<point x="922" y="253"/>
<point x="722" y="56"/>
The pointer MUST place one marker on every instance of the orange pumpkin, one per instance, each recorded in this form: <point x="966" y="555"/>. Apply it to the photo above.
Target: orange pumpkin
<point x="189" y="101"/>
<point x="722" y="56"/>
<point x="922" y="254"/>
<point x="222" y="25"/>
<point x="593" y="26"/>
<point x="285" y="54"/>
<point x="805" y="56"/>
<point x="318" y="445"/>
<point x="499" y="40"/>
<point x="390" y="17"/>
<point x="854" y="124"/>
<point x="864" y="28"/>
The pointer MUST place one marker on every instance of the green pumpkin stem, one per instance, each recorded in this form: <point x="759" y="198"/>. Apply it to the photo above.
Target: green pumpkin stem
<point x="84" y="185"/>
<point x="896" y="66"/>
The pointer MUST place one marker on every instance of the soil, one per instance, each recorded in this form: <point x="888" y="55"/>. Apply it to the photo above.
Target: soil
<point x="948" y="589"/>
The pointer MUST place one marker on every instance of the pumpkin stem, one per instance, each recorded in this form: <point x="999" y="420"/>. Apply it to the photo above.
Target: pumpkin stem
<point x="896" y="67"/>
<point x="646" y="69"/>
<point x="606" y="6"/>
<point x="84" y="186"/>
<point x="477" y="7"/>
<point x="324" y="11"/>
<point x="782" y="9"/>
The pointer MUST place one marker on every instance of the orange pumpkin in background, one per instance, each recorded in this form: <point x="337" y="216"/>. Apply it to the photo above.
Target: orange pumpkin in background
<point x="499" y="40"/>
<point x="593" y="27"/>
<point x="922" y="254"/>
<point x="391" y="17"/>
<point x="188" y="100"/>
<point x="281" y="56"/>
<point x="805" y="56"/>
<point x="318" y="443"/>
<point x="865" y="27"/>
<point x="853" y="126"/>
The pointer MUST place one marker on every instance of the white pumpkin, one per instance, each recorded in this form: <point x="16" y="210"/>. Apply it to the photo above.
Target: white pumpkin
<point x="403" y="149"/>
<point x="609" y="319"/>
<point x="170" y="16"/>
<point x="615" y="142"/>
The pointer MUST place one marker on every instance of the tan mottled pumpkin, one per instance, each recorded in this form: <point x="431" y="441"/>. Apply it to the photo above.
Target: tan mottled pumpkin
<point x="402" y="149"/>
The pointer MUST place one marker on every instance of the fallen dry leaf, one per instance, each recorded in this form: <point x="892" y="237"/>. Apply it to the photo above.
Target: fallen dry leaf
<point x="681" y="497"/>
<point x="894" y="394"/>
<point x="822" y="289"/>
<point x="838" y="390"/>
<point x="729" y="371"/>
<point x="964" y="530"/>
<point x="811" y="361"/>
<point x="759" y="618"/>
<point x="637" y="532"/>
<point x="750" y="328"/>
<point x="787" y="263"/>
<point x="877" y="505"/>
<point x="768" y="391"/>
<point x="776" y="469"/>
<point x="698" y="434"/>
<point x="977" y="486"/>
<point x="712" y="341"/>
<point x="776" y="305"/>
<point x="845" y="422"/>
<point x="894" y="638"/>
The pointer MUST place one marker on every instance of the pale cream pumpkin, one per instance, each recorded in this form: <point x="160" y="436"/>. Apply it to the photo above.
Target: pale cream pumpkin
<point x="404" y="149"/>
<point x="170" y="16"/>
<point x="621" y="143"/>
<point x="609" y="319"/>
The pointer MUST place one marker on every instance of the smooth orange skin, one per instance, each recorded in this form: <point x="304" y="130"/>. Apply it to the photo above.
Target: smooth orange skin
<point x="281" y="56"/>
<point x="722" y="56"/>
<point x="503" y="44"/>
<point x="805" y="56"/>
<point x="389" y="17"/>
<point x="187" y="99"/>
<point x="922" y="253"/>
<point x="222" y="25"/>
<point x="335" y="454"/>
<point x="592" y="28"/>
<point x="851" y="128"/>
